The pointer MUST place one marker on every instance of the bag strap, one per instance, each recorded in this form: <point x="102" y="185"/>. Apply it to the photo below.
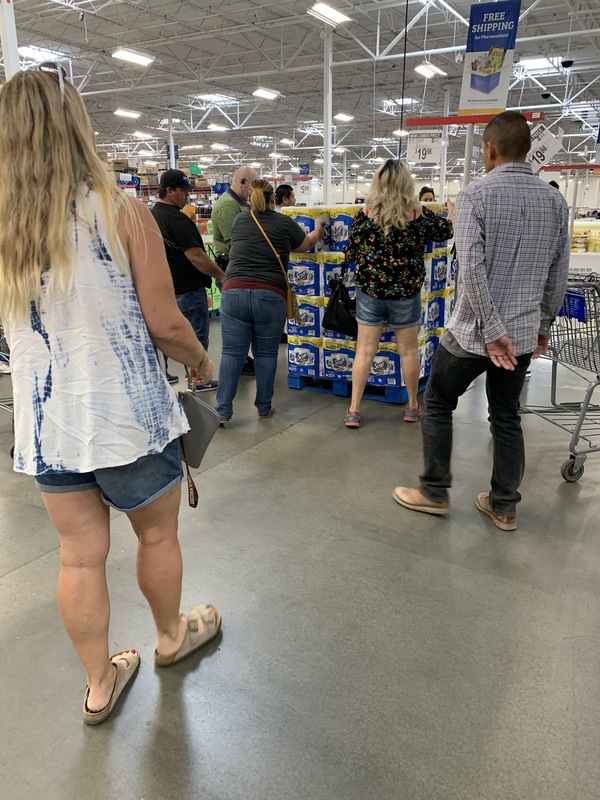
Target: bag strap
<point x="262" y="230"/>
<point x="192" y="491"/>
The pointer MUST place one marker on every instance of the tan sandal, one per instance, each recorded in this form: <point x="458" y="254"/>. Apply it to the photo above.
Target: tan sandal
<point x="124" y="673"/>
<point x="203" y="624"/>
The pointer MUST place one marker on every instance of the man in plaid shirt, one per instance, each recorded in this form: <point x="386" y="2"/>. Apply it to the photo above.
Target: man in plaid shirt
<point x="512" y="241"/>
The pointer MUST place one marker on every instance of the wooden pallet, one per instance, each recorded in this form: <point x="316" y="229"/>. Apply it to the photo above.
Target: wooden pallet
<point x="383" y="394"/>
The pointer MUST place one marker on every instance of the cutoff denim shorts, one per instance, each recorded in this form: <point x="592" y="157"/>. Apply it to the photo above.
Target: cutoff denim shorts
<point x="395" y="313"/>
<point x="125" y="488"/>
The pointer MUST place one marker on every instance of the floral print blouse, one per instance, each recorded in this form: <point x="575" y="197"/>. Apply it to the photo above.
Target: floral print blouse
<point x="390" y="266"/>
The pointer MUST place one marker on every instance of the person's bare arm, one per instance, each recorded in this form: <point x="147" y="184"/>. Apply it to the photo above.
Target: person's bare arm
<point x="202" y="262"/>
<point x="310" y="239"/>
<point x="169" y="329"/>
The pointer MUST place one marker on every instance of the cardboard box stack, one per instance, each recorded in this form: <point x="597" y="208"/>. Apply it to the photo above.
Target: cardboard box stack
<point x="316" y="352"/>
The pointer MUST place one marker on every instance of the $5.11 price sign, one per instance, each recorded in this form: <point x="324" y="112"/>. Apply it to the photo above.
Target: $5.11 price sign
<point x="544" y="146"/>
<point x="424" y="147"/>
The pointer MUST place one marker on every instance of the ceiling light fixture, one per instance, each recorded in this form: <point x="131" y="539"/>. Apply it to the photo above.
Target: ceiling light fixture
<point x="294" y="169"/>
<point x="39" y="53"/>
<point x="255" y="165"/>
<point x="266" y="94"/>
<point x="142" y="135"/>
<point x="122" y="112"/>
<point x="273" y="155"/>
<point x="536" y="64"/>
<point x="151" y="163"/>
<point x="406" y="101"/>
<point x="214" y="127"/>
<point x="192" y="147"/>
<point x="217" y="146"/>
<point x="134" y="58"/>
<point x="287" y="141"/>
<point x="354" y="166"/>
<point x="400" y="132"/>
<point x="428" y="70"/>
<point x="339" y="150"/>
<point x="327" y="14"/>
<point x="319" y="161"/>
<point x="344" y="117"/>
<point x="212" y="98"/>
<point x="145" y="153"/>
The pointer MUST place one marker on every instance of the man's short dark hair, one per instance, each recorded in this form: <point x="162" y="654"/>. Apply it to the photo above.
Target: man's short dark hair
<point x="510" y="133"/>
<point x="283" y="192"/>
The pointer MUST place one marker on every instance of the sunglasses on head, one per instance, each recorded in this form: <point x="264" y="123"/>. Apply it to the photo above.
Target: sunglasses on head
<point x="54" y="69"/>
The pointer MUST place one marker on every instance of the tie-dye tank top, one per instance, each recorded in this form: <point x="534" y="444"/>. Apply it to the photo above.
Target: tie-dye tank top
<point x="87" y="385"/>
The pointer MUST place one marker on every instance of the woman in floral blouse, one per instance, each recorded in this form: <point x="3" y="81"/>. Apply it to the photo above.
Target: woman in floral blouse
<point x="387" y="243"/>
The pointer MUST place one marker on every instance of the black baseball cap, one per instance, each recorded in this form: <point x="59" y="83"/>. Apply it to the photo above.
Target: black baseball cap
<point x="173" y="179"/>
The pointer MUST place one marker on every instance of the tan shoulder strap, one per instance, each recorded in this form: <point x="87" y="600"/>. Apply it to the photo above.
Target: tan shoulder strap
<point x="262" y="230"/>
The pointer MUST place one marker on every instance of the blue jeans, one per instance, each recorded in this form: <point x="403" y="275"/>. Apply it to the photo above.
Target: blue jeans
<point x="194" y="307"/>
<point x="450" y="378"/>
<point x="249" y="317"/>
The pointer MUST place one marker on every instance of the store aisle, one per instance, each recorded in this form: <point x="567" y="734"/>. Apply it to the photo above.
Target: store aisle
<point x="368" y="653"/>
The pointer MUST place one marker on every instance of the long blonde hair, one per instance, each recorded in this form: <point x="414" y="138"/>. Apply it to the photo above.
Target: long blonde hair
<point x="261" y="194"/>
<point x="392" y="198"/>
<point x="46" y="153"/>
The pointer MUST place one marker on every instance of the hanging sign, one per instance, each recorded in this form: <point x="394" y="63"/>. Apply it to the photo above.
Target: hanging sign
<point x="424" y="147"/>
<point x="544" y="146"/>
<point x="489" y="57"/>
<point x="304" y="169"/>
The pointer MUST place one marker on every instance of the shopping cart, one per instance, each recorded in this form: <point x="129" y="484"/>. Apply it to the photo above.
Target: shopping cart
<point x="575" y="344"/>
<point x="6" y="403"/>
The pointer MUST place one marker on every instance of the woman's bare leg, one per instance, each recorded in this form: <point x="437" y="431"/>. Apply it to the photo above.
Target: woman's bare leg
<point x="366" y="347"/>
<point x="82" y="522"/>
<point x="408" y="350"/>
<point x="160" y="566"/>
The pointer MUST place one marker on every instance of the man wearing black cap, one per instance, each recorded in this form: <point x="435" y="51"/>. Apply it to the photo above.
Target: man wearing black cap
<point x="191" y="269"/>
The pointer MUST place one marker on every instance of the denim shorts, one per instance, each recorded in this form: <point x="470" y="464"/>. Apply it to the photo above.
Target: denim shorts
<point x="125" y="488"/>
<point x="395" y="313"/>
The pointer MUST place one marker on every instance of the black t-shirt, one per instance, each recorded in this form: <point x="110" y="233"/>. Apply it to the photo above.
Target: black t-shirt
<point x="180" y="234"/>
<point x="251" y="258"/>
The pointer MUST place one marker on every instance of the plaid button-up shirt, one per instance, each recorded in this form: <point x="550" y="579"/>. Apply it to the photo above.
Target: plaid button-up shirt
<point x="512" y="240"/>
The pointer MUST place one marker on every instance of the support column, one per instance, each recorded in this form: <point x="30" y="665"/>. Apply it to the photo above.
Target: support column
<point x="468" y="155"/>
<point x="327" y="115"/>
<point x="345" y="181"/>
<point x="8" y="38"/>
<point x="444" y="160"/>
<point x="172" y="161"/>
<point x="576" y="183"/>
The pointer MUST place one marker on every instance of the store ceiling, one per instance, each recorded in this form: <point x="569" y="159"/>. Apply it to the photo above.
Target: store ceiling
<point x="230" y="48"/>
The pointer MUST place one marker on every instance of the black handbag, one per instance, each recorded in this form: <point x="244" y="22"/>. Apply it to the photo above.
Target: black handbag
<point x="340" y="314"/>
<point x="204" y="422"/>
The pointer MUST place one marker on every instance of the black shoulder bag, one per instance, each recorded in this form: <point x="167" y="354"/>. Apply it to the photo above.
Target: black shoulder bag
<point x="340" y="313"/>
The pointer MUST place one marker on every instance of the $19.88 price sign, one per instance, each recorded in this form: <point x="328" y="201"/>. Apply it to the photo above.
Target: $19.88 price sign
<point x="544" y="146"/>
<point x="424" y="147"/>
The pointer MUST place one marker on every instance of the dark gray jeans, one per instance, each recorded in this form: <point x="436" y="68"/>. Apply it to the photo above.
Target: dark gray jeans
<point x="450" y="377"/>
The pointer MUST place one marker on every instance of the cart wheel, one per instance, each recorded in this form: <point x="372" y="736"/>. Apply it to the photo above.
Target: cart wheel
<point x="569" y="473"/>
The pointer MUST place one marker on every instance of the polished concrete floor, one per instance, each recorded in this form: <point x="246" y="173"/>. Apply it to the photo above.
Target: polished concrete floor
<point x="367" y="653"/>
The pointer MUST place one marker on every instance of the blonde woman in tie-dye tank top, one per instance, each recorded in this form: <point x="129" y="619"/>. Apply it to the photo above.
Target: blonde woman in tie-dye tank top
<point x="87" y="298"/>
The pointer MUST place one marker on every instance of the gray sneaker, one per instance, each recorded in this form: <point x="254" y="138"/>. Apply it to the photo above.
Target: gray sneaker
<point x="352" y="419"/>
<point x="412" y="414"/>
